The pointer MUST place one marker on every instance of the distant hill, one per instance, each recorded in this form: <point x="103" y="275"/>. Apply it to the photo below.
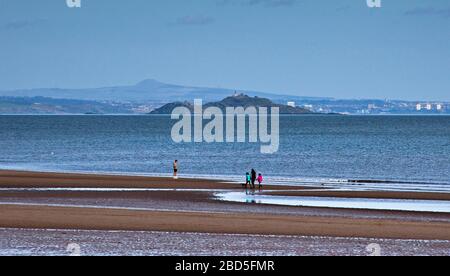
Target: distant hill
<point x="145" y="92"/>
<point x="42" y="105"/>
<point x="233" y="101"/>
<point x="149" y="94"/>
<point x="168" y="108"/>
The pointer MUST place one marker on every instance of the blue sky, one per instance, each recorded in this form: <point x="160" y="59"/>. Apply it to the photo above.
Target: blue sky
<point x="338" y="48"/>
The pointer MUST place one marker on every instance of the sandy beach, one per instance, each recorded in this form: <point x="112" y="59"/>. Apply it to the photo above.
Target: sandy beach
<point x="32" y="201"/>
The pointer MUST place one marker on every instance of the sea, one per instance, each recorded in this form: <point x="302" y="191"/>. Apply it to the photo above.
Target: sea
<point x="366" y="152"/>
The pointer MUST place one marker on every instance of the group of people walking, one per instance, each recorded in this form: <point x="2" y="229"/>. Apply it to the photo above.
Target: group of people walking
<point x="251" y="179"/>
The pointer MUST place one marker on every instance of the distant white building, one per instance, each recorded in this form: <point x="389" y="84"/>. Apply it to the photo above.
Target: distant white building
<point x="430" y="106"/>
<point x="291" y="104"/>
<point x="371" y="106"/>
<point x="308" y="106"/>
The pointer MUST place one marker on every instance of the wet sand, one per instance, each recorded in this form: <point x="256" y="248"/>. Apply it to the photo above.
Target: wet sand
<point x="35" y="242"/>
<point x="107" y="218"/>
<point x="197" y="211"/>
<point x="18" y="179"/>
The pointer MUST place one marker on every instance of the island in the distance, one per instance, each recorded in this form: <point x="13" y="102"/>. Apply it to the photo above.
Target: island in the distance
<point x="238" y="100"/>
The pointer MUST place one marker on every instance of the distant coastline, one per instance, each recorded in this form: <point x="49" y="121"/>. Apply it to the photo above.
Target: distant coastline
<point x="149" y="95"/>
<point x="238" y="100"/>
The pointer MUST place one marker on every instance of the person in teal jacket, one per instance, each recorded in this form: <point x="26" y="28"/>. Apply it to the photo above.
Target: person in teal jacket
<point x="248" y="180"/>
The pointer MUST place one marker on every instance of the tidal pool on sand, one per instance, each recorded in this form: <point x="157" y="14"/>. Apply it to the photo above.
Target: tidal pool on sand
<point x="346" y="203"/>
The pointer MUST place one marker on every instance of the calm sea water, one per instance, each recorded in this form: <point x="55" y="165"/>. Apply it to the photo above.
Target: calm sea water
<point x="409" y="148"/>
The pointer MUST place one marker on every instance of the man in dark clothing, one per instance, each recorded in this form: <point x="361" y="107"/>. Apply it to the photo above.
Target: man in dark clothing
<point x="253" y="178"/>
<point x="175" y="169"/>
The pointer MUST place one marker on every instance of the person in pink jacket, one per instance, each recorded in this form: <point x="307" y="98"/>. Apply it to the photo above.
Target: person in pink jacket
<point x="260" y="180"/>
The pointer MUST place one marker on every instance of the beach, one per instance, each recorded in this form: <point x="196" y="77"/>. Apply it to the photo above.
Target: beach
<point x="37" y="242"/>
<point x="224" y="128"/>
<point x="33" y="201"/>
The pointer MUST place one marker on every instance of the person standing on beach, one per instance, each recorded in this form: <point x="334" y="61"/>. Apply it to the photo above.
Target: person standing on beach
<point x="253" y="178"/>
<point x="260" y="180"/>
<point x="247" y="180"/>
<point x="175" y="169"/>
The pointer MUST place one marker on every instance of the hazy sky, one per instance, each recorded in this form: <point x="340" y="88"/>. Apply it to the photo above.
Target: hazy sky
<point x="337" y="48"/>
